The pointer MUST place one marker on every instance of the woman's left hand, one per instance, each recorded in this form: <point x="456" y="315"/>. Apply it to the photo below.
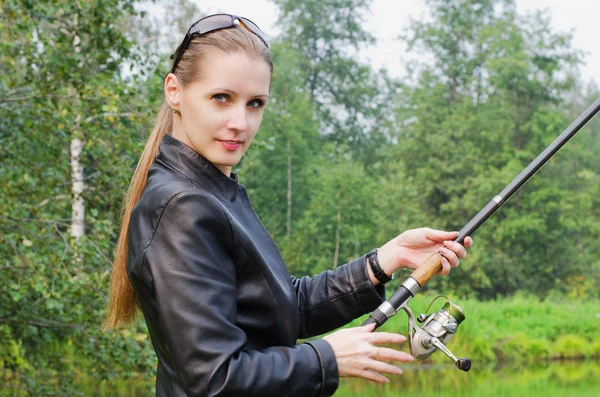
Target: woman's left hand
<point x="411" y="248"/>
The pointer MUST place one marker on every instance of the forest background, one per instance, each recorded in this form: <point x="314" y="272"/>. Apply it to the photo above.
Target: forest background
<point x="346" y="158"/>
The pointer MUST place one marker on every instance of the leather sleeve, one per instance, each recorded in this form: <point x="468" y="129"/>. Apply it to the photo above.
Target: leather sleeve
<point x="194" y="280"/>
<point x="332" y="299"/>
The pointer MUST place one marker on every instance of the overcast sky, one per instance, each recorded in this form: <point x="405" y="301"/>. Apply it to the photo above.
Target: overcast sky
<point x="385" y="23"/>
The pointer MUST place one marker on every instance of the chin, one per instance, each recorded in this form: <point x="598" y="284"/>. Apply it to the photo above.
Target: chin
<point x="226" y="162"/>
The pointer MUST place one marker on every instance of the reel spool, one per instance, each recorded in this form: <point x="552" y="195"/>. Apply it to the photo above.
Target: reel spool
<point x="436" y="331"/>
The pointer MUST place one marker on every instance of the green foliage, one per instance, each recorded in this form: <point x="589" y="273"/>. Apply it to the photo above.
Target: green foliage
<point x="346" y="158"/>
<point x="336" y="227"/>
<point x="61" y="80"/>
<point x="350" y="99"/>
<point x="473" y="119"/>
<point x="519" y="348"/>
<point x="519" y="329"/>
<point x="573" y="346"/>
<point x="11" y="351"/>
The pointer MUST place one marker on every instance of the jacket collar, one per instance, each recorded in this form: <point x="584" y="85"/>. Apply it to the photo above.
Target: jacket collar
<point x="196" y="167"/>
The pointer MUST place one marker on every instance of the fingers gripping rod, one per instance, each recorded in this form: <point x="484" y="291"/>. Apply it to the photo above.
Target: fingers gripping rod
<point x="433" y="264"/>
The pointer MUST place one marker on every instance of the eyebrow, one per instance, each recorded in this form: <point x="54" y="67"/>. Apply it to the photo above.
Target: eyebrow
<point x="235" y="93"/>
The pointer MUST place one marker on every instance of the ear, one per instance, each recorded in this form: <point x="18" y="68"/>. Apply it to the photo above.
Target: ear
<point x="172" y="89"/>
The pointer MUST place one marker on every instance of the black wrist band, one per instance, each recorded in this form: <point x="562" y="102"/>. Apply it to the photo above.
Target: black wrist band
<point x="376" y="267"/>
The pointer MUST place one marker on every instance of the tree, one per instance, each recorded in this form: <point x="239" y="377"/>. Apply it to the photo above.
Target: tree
<point x="478" y="114"/>
<point x="338" y="224"/>
<point x="61" y="84"/>
<point x="351" y="100"/>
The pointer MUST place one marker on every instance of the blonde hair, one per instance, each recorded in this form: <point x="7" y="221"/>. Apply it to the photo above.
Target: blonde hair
<point x="123" y="303"/>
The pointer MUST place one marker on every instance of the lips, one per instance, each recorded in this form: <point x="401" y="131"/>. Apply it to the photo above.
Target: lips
<point x="230" y="144"/>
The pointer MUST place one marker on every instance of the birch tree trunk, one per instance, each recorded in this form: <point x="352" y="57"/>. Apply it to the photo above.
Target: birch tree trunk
<point x="78" y="206"/>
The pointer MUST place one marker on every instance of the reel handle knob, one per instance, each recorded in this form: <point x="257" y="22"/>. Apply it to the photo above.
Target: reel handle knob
<point x="463" y="364"/>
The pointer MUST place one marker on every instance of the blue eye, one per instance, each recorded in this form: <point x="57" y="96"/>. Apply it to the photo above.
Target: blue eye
<point x="256" y="103"/>
<point x="220" y="98"/>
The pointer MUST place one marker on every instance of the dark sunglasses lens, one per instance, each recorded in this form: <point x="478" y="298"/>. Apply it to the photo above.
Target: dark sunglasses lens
<point x="213" y="22"/>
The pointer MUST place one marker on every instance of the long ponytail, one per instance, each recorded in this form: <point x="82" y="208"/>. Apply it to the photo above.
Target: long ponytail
<point x="122" y="305"/>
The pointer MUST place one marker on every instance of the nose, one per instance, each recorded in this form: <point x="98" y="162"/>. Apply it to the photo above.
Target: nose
<point x="238" y="119"/>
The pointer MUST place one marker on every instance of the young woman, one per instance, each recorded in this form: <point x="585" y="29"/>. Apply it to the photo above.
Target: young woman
<point x="222" y="310"/>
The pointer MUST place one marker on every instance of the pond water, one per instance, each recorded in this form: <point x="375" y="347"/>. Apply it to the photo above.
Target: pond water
<point x="554" y="379"/>
<point x="564" y="379"/>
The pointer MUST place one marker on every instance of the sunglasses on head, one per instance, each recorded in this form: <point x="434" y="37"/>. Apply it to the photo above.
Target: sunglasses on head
<point x="210" y="24"/>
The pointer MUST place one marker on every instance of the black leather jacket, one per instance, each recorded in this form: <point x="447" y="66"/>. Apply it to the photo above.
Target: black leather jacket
<point x="222" y="310"/>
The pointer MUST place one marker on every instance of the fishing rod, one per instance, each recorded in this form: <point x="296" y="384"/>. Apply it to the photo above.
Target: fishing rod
<point x="438" y="328"/>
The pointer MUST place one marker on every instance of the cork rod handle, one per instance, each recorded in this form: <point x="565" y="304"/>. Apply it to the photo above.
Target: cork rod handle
<point x="428" y="269"/>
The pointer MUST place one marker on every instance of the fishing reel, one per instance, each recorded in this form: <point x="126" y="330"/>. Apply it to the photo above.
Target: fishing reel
<point x="436" y="331"/>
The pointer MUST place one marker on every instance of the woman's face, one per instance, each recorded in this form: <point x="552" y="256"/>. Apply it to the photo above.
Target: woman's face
<point x="221" y="112"/>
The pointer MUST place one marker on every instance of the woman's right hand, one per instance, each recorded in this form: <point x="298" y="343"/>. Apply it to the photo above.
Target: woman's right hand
<point x="358" y="356"/>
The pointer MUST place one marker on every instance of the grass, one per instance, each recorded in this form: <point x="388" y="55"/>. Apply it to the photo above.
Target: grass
<point x="517" y="329"/>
